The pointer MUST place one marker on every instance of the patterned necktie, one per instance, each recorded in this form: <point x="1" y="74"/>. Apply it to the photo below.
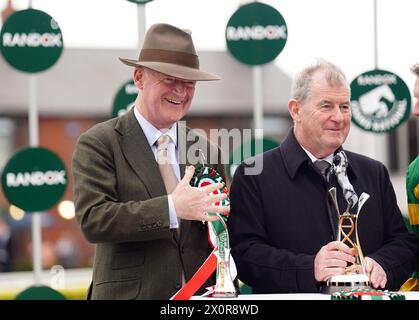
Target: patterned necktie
<point x="166" y="169"/>
<point x="323" y="167"/>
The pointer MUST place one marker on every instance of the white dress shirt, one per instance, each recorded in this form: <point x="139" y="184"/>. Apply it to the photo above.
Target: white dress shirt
<point x="329" y="158"/>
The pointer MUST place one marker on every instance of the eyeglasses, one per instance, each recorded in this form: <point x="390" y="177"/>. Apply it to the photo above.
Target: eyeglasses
<point x="173" y="81"/>
<point x="170" y="81"/>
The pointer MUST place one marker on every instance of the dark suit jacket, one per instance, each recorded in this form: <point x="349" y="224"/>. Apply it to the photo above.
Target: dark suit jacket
<point x="121" y="205"/>
<point x="280" y="219"/>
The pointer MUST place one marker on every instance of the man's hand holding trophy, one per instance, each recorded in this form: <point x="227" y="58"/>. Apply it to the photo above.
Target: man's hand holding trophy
<point x="355" y="275"/>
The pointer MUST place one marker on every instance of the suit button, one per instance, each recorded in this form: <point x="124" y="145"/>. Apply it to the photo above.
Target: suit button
<point x="177" y="286"/>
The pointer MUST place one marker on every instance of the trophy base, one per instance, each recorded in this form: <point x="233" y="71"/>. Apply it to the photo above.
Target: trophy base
<point x="346" y="282"/>
<point x="224" y="294"/>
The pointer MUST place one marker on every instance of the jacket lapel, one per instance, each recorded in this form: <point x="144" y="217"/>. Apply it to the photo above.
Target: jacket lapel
<point x="183" y="145"/>
<point x="138" y="153"/>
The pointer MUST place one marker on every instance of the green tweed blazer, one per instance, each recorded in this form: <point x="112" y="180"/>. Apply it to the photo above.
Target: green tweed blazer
<point x="121" y="205"/>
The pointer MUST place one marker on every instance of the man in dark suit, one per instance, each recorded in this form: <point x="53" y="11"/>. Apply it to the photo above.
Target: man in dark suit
<point x="283" y="227"/>
<point x="139" y="208"/>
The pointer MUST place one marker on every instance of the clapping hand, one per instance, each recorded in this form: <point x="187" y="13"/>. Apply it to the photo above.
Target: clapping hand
<point x="193" y="203"/>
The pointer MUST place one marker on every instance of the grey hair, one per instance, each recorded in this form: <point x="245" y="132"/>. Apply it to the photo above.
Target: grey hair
<point x="415" y="69"/>
<point x="302" y="83"/>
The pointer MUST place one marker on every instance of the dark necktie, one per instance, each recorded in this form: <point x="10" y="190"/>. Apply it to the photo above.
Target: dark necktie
<point x="323" y="167"/>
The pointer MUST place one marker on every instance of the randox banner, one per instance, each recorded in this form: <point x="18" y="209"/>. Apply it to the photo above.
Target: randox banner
<point x="34" y="179"/>
<point x="31" y="41"/>
<point x="380" y="101"/>
<point x="256" y="33"/>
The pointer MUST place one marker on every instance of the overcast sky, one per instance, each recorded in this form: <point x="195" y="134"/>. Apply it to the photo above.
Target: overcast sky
<point x="341" y="31"/>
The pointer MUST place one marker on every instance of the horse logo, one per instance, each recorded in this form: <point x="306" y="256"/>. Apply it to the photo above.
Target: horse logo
<point x="377" y="102"/>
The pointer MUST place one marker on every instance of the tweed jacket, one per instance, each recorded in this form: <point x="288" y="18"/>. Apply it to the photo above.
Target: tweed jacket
<point x="122" y="206"/>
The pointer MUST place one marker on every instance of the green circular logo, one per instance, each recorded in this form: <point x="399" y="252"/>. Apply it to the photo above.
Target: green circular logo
<point x="40" y="293"/>
<point x="34" y="179"/>
<point x="380" y="101"/>
<point x="124" y="98"/>
<point x="249" y="149"/>
<point x="31" y="41"/>
<point x="256" y="33"/>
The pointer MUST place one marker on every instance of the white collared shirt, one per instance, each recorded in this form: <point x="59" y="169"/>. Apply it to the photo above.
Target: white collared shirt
<point x="153" y="134"/>
<point x="329" y="158"/>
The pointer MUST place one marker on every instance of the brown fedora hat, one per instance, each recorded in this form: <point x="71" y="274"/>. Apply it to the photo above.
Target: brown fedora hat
<point x="170" y="50"/>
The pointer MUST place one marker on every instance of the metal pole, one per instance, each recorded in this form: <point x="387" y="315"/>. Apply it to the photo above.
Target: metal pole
<point x="141" y="24"/>
<point x="36" y="216"/>
<point x="257" y="102"/>
<point x="33" y="112"/>
<point x="375" y="36"/>
<point x="381" y="141"/>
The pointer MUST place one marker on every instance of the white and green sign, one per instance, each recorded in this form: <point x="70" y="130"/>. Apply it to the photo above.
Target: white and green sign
<point x="34" y="179"/>
<point x="256" y="33"/>
<point x="40" y="292"/>
<point x="31" y="41"/>
<point x="380" y="101"/>
<point x="124" y="98"/>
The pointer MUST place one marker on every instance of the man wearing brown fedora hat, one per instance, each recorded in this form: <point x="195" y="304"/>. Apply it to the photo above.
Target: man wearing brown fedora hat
<point x="132" y="179"/>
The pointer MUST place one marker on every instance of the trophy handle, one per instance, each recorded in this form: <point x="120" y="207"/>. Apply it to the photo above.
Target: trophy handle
<point x="360" y="253"/>
<point x="333" y="196"/>
<point x="362" y="199"/>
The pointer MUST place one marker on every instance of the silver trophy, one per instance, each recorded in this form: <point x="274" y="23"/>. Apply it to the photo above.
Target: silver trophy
<point x="224" y="286"/>
<point x="355" y="275"/>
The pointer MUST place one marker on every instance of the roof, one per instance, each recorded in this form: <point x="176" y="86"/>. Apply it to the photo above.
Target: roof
<point x="84" y="82"/>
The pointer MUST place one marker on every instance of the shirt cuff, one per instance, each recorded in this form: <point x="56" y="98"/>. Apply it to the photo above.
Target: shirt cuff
<point x="172" y="213"/>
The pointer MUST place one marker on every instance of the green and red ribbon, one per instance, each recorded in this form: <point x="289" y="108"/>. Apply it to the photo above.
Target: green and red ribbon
<point x="217" y="236"/>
